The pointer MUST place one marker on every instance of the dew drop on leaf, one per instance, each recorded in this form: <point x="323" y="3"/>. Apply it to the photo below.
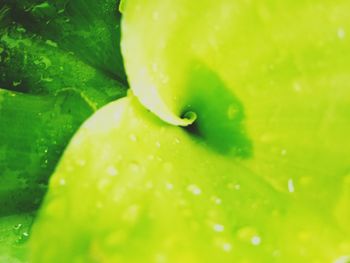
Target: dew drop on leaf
<point x="227" y="247"/>
<point x="291" y="187"/>
<point x="343" y="259"/>
<point x="218" y="228"/>
<point x="112" y="171"/>
<point x="194" y="189"/>
<point x="341" y="33"/>
<point x="133" y="137"/>
<point x="256" y="240"/>
<point x="169" y="186"/>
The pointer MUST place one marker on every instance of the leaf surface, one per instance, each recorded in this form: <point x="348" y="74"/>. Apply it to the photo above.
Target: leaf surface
<point x="132" y="188"/>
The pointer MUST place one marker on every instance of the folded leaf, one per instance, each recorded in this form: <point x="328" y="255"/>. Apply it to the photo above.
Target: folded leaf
<point x="269" y="78"/>
<point x="131" y="188"/>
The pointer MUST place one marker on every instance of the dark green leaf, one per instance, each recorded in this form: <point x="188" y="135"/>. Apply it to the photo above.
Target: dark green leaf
<point x="90" y="29"/>
<point x="33" y="133"/>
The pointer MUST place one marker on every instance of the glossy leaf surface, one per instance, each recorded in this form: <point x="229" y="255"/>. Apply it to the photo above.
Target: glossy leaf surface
<point x="132" y="188"/>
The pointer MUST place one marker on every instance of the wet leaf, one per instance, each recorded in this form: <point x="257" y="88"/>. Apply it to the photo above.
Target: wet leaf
<point x="132" y="188"/>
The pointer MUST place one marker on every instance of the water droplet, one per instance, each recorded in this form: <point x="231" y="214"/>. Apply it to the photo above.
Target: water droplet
<point x="45" y="163"/>
<point x="256" y="240"/>
<point x="177" y="140"/>
<point x="16" y="83"/>
<point x="43" y="5"/>
<point x="233" y="186"/>
<point x="297" y="87"/>
<point x="23" y="238"/>
<point x="341" y="33"/>
<point x="155" y="15"/>
<point x="216" y="200"/>
<point x="194" y="189"/>
<point x="112" y="171"/>
<point x="291" y="188"/>
<point x="218" y="228"/>
<point x="133" y="137"/>
<point x="227" y="247"/>
<point x="247" y="234"/>
<point x="17" y="227"/>
<point x="283" y="152"/>
<point x="169" y="186"/>
<point x="343" y="259"/>
<point x="62" y="182"/>
<point x="158" y="144"/>
<point x="51" y="43"/>
<point x="232" y="111"/>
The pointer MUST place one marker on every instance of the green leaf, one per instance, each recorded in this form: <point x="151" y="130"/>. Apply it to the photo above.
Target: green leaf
<point x="31" y="64"/>
<point x="90" y="29"/>
<point x="286" y="64"/>
<point x="272" y="62"/>
<point x="14" y="234"/>
<point x="68" y="92"/>
<point x="33" y="133"/>
<point x="131" y="188"/>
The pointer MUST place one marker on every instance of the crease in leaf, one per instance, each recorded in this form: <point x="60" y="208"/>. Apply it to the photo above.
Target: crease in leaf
<point x="143" y="197"/>
<point x="154" y="190"/>
<point x="151" y="99"/>
<point x="220" y="114"/>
